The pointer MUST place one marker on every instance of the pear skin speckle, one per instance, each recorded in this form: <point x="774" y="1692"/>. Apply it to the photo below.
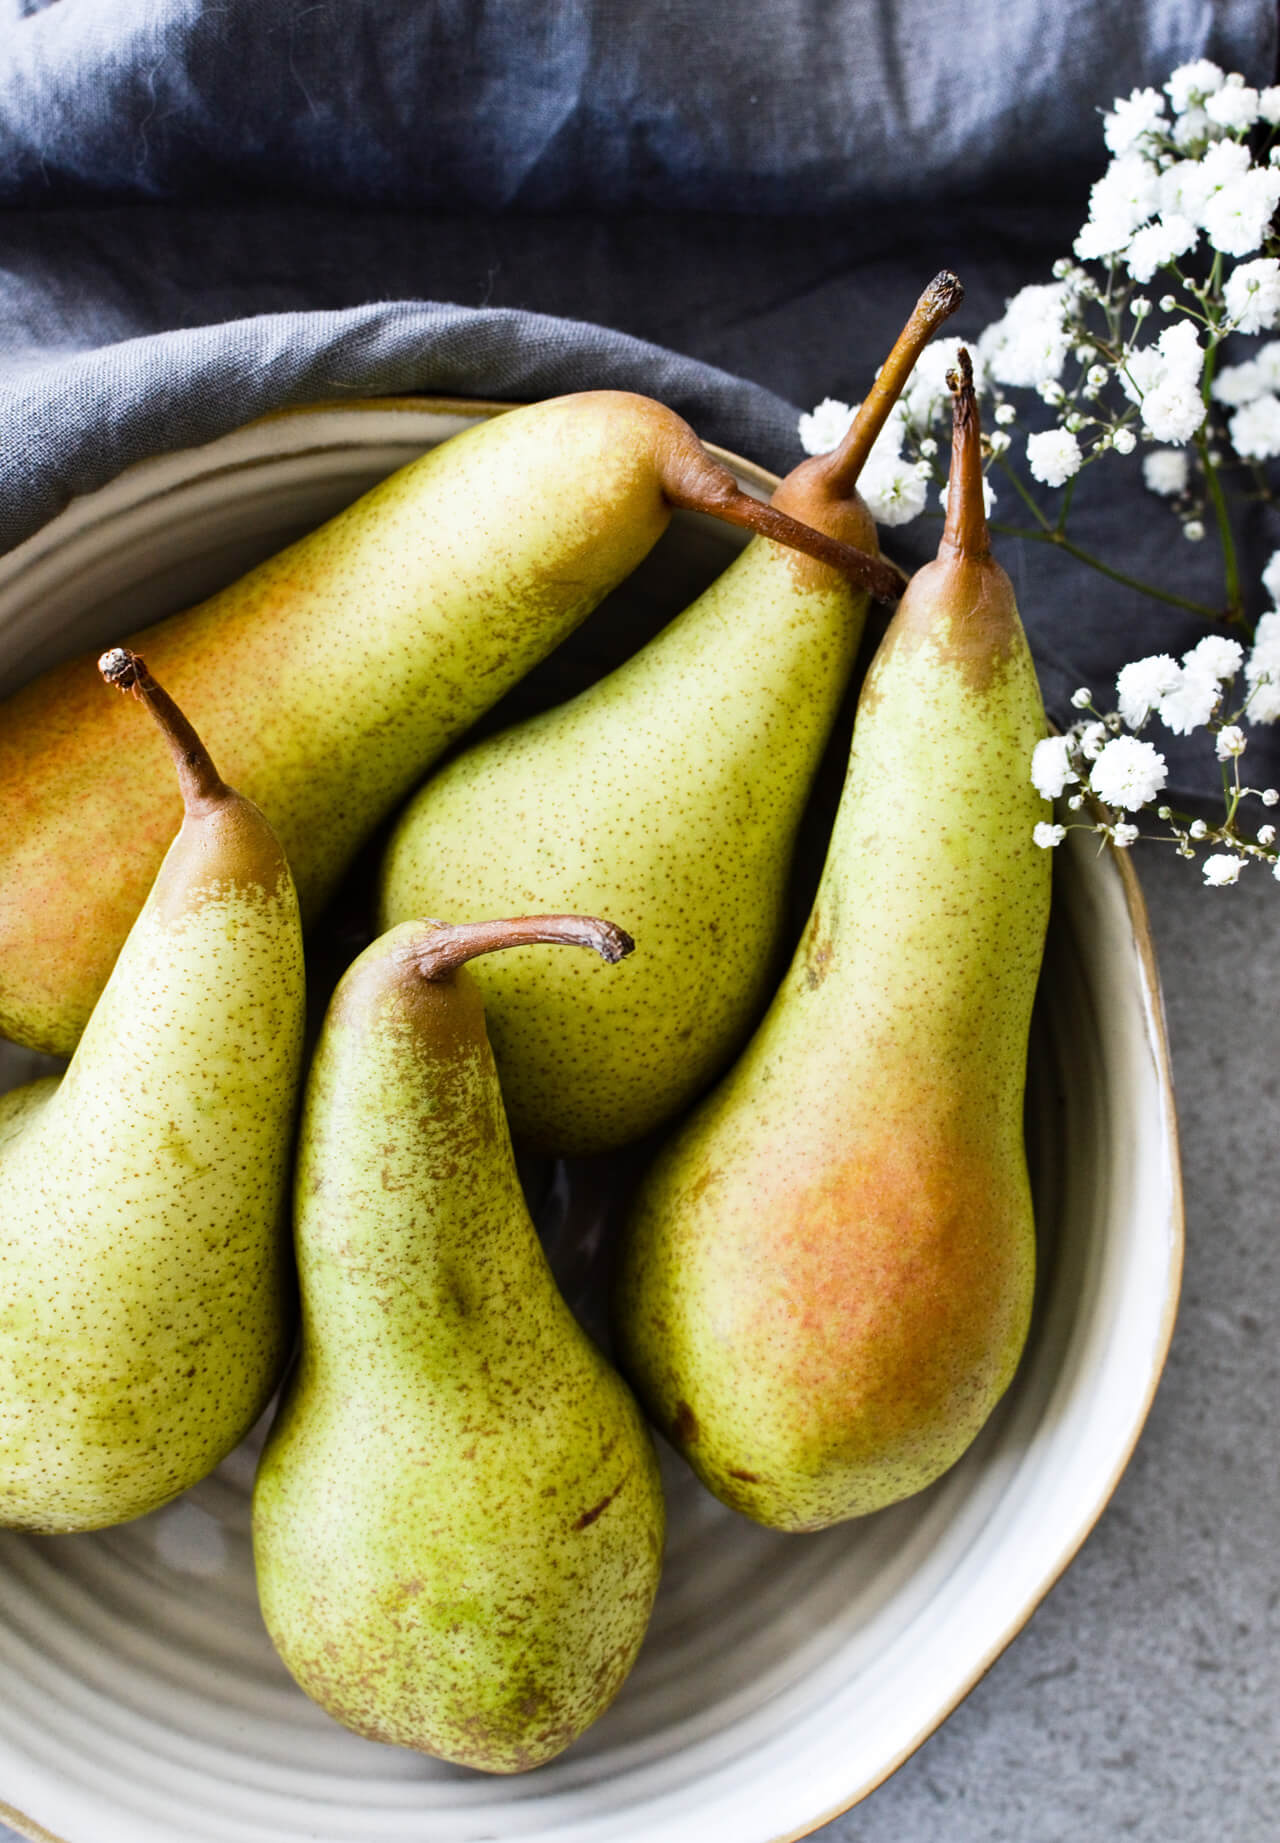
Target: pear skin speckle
<point x="146" y="1296"/>
<point x="827" y="1280"/>
<point x="458" y="1521"/>
<point x="667" y="796"/>
<point x="348" y="663"/>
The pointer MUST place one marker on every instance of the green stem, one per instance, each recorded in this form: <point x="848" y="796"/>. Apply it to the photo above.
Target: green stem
<point x="1028" y="501"/>
<point x="1226" y="537"/>
<point x="1048" y="536"/>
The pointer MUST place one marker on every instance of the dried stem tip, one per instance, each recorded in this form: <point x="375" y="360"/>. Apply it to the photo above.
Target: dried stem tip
<point x="450" y="946"/>
<point x="199" y="782"/>
<point x="846" y="461"/>
<point x="966" y="527"/>
<point x="120" y="667"/>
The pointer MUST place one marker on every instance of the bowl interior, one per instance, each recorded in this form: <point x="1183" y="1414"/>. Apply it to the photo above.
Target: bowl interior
<point x="783" y="1677"/>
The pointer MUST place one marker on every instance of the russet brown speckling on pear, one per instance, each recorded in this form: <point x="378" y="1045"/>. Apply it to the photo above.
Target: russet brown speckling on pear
<point x="146" y="1285"/>
<point x="668" y="794"/>
<point x="346" y="664"/>
<point x="826" y="1283"/>
<point x="458" y="1520"/>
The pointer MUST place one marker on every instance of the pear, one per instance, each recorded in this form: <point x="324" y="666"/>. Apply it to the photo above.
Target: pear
<point x="669" y="794"/>
<point x="346" y="664"/>
<point x="827" y="1278"/>
<point x="146" y="1290"/>
<point x="457" y="1518"/>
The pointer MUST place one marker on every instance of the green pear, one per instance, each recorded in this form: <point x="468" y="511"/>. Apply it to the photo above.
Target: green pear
<point x="827" y="1279"/>
<point x="346" y="664"/>
<point x="457" y="1518"/>
<point x="146" y="1290"/>
<point x="669" y="794"/>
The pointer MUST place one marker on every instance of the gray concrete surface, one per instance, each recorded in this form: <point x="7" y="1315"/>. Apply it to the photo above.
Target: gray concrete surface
<point x="1142" y="1701"/>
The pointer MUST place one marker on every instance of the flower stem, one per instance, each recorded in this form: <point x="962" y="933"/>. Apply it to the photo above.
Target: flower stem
<point x="1048" y="536"/>
<point x="1230" y="562"/>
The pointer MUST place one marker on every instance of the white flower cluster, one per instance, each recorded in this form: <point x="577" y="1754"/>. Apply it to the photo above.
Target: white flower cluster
<point x="1164" y="381"/>
<point x="1172" y="180"/>
<point x="1184" y="696"/>
<point x="1252" y="391"/>
<point x="1123" y="773"/>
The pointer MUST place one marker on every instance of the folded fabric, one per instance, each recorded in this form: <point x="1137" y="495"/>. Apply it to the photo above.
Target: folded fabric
<point x="218" y="211"/>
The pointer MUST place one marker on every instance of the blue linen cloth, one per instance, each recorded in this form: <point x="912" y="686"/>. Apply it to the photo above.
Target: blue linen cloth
<point x="214" y="211"/>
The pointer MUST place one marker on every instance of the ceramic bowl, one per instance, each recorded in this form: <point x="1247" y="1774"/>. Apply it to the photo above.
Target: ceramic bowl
<point x="783" y="1677"/>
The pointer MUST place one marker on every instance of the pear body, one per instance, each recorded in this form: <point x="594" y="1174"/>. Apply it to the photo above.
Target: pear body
<point x="346" y="664"/>
<point x="828" y="1278"/>
<point x="457" y="1518"/>
<point x="668" y="795"/>
<point x="146" y="1293"/>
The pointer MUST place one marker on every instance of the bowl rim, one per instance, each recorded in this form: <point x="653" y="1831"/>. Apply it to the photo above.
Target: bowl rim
<point x="763" y="482"/>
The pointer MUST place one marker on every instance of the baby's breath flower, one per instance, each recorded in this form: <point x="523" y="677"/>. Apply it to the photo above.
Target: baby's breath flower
<point x="1124" y="835"/>
<point x="824" y="427"/>
<point x="1266" y="835"/>
<point x="1005" y="414"/>
<point x="999" y="442"/>
<point x="1097" y="376"/>
<point x="928" y="447"/>
<point x="1092" y="740"/>
<point x="1029" y="345"/>
<point x="1142" y="684"/>
<point x="1255" y="428"/>
<point x="1165" y="472"/>
<point x="1051" y="769"/>
<point x="1271" y="576"/>
<point x="1128" y="773"/>
<point x="1075" y="803"/>
<point x="1124" y="441"/>
<point x="1237" y="216"/>
<point x="1167" y="304"/>
<point x="1262" y="669"/>
<point x="1052" y="393"/>
<point x="1132" y="118"/>
<point x="1252" y="294"/>
<point x="1230" y="742"/>
<point x="1053" y="456"/>
<point x="1191" y="84"/>
<point x="1164" y="381"/>
<point x="1155" y="246"/>
<point x="1234" y="105"/>
<point x="1193" y="530"/>
<point x="1198" y="829"/>
<point x="1047" y="836"/>
<point x="1222" y="868"/>
<point x="1081" y="698"/>
<point x="1270" y="796"/>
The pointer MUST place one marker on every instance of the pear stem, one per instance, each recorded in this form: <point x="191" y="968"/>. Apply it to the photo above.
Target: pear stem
<point x="199" y="782"/>
<point x="966" y="528"/>
<point x="845" y="462"/>
<point x="451" y="945"/>
<point x="882" y="580"/>
<point x="691" y="479"/>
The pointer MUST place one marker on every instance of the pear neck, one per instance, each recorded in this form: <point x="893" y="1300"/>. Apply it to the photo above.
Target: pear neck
<point x="199" y="782"/>
<point x="844" y="464"/>
<point x="965" y="533"/>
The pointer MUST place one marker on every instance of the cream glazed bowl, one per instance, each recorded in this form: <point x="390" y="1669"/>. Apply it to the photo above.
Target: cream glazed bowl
<point x="783" y="1677"/>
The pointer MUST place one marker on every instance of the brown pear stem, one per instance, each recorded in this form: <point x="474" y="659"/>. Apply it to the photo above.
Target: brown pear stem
<point x="198" y="780"/>
<point x="966" y="527"/>
<point x="690" y="478"/>
<point x="938" y="302"/>
<point x="451" y="945"/>
<point x="882" y="580"/>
